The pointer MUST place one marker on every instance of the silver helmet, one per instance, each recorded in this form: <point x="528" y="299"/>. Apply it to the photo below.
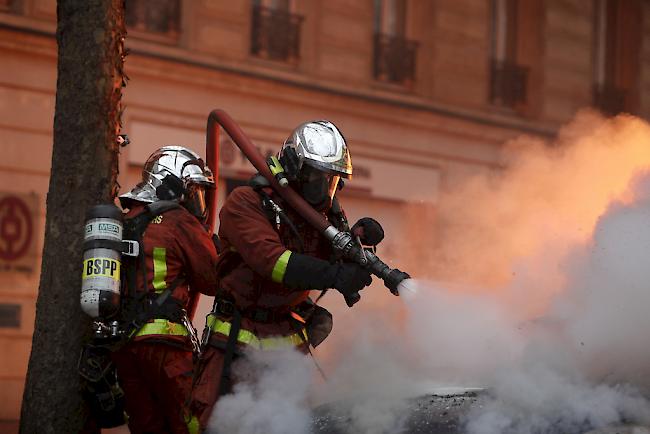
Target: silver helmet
<point x="315" y="156"/>
<point x="321" y="145"/>
<point x="173" y="173"/>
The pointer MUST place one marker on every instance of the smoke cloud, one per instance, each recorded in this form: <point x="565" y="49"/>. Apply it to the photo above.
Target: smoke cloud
<point x="269" y="398"/>
<point x="547" y="310"/>
<point x="587" y="363"/>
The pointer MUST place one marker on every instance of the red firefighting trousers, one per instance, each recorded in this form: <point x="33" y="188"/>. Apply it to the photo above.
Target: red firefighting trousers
<point x="156" y="379"/>
<point x="206" y="390"/>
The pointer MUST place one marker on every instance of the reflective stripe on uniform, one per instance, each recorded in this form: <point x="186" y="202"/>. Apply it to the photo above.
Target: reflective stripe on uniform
<point x="161" y="326"/>
<point x="277" y="275"/>
<point x="159" y="268"/>
<point x="193" y="425"/>
<point x="247" y="337"/>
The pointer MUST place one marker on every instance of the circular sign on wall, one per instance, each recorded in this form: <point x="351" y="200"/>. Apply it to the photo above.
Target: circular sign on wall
<point x="16" y="229"/>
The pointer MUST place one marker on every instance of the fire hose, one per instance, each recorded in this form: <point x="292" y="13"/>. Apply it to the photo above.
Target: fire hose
<point x="342" y="242"/>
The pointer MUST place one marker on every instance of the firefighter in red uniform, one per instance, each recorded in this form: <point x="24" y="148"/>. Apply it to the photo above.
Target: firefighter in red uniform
<point x="271" y="259"/>
<point x="155" y="367"/>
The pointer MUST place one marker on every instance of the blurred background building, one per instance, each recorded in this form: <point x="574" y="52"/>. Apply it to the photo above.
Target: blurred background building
<point x="425" y="91"/>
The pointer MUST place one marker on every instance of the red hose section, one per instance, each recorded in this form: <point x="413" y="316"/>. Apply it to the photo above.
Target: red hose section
<point x="212" y="161"/>
<point x="220" y="117"/>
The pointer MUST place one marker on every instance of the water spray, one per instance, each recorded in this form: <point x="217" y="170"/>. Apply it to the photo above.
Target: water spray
<point x="341" y="241"/>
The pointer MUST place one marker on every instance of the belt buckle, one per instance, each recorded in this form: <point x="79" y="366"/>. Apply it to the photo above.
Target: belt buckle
<point x="260" y="315"/>
<point x="226" y="308"/>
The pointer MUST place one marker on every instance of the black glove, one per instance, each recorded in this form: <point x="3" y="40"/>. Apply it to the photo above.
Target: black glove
<point x="369" y="231"/>
<point x="350" y="279"/>
<point x="306" y="272"/>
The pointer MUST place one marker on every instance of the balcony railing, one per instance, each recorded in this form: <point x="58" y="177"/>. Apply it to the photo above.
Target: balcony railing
<point x="394" y="59"/>
<point x="5" y="5"/>
<point x="609" y="99"/>
<point x="154" y="17"/>
<point x="275" y="34"/>
<point x="508" y="83"/>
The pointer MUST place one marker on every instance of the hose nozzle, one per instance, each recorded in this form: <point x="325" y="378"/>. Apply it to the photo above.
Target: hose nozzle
<point x="346" y="244"/>
<point x="394" y="278"/>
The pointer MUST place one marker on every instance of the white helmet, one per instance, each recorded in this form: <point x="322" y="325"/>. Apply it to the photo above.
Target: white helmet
<point x="173" y="173"/>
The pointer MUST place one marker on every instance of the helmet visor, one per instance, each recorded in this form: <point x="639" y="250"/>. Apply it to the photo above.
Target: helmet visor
<point x="318" y="187"/>
<point x="195" y="201"/>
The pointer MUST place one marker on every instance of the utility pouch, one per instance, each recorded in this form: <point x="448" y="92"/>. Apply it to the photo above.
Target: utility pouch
<point x="101" y="391"/>
<point x="94" y="362"/>
<point x="319" y="325"/>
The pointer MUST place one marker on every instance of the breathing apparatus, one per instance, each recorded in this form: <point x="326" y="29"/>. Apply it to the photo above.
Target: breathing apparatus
<point x="102" y="263"/>
<point x="101" y="299"/>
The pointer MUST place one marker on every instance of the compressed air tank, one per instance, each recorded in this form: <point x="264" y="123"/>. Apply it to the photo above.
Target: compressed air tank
<point x="102" y="260"/>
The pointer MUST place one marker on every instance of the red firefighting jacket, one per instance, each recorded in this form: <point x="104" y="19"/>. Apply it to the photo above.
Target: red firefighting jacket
<point x="252" y="247"/>
<point x="177" y="248"/>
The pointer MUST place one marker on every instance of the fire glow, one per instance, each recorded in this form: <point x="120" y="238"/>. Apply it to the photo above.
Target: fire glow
<point x="520" y="223"/>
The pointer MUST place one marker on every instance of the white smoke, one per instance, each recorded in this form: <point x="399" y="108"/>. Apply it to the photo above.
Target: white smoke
<point x="270" y="396"/>
<point x="584" y="365"/>
<point x="369" y="384"/>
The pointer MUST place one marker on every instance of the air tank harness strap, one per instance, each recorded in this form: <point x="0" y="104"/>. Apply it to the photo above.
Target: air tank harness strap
<point x="225" y="385"/>
<point x="275" y="213"/>
<point x="162" y="307"/>
<point x="247" y="337"/>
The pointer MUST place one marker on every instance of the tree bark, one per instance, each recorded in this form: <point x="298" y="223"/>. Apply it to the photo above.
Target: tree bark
<point x="90" y="36"/>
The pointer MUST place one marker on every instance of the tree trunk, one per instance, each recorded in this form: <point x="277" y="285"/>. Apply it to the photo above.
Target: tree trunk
<point x="90" y="35"/>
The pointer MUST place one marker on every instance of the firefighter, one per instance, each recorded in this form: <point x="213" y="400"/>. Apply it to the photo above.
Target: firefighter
<point x="271" y="259"/>
<point x="178" y="258"/>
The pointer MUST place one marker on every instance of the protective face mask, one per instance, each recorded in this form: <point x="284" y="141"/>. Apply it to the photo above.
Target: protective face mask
<point x="316" y="193"/>
<point x="195" y="203"/>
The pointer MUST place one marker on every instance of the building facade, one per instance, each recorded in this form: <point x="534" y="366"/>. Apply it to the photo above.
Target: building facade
<point x="425" y="91"/>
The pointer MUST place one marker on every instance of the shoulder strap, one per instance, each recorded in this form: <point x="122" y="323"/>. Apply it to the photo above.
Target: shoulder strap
<point x="134" y="228"/>
<point x="162" y="206"/>
<point x="277" y="215"/>
<point x="136" y="225"/>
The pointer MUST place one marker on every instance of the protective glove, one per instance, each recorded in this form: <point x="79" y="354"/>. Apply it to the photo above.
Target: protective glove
<point x="350" y="279"/>
<point x="307" y="272"/>
<point x="369" y="231"/>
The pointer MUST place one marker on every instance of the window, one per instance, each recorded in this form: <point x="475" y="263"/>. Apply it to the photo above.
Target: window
<point x="275" y="31"/>
<point x="508" y="80"/>
<point x="9" y="315"/>
<point x="154" y="18"/>
<point x="394" y="55"/>
<point x="5" y="5"/>
<point x="616" y="54"/>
